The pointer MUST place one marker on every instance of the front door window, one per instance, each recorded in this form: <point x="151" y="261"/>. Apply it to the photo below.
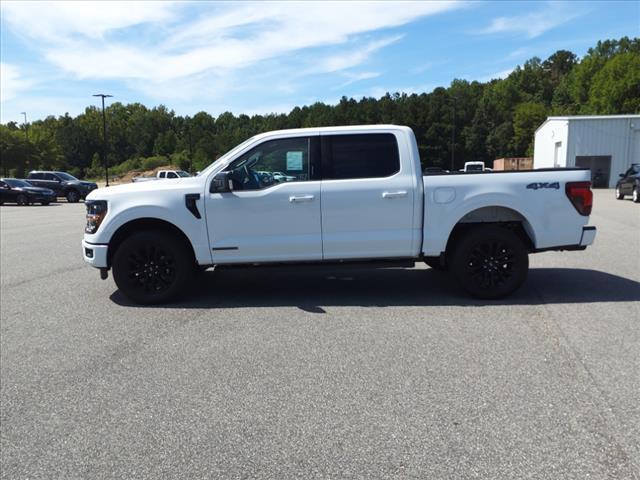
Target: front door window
<point x="271" y="163"/>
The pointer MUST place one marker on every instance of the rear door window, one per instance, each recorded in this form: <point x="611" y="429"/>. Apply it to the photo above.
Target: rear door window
<point x="367" y="155"/>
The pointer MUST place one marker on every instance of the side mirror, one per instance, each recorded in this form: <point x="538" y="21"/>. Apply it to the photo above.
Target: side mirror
<point x="622" y="175"/>
<point x="221" y="183"/>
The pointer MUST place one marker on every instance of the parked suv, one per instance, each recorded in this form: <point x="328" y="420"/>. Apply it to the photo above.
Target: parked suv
<point x="64" y="184"/>
<point x="629" y="183"/>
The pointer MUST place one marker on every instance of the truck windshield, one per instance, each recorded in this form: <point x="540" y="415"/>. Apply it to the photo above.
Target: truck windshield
<point x="182" y="173"/>
<point x="474" y="168"/>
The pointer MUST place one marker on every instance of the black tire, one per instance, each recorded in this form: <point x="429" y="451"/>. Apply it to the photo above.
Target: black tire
<point x="152" y="267"/>
<point x="73" y="196"/>
<point x="434" y="263"/>
<point x="489" y="262"/>
<point x="635" y="195"/>
<point x="44" y="204"/>
<point x="22" y="199"/>
<point x="619" y="194"/>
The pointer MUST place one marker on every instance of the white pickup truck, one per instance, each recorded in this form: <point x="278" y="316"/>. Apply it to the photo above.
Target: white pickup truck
<point x="163" y="174"/>
<point x="357" y="193"/>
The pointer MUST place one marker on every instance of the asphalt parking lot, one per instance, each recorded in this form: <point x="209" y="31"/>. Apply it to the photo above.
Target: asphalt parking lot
<point x="319" y="373"/>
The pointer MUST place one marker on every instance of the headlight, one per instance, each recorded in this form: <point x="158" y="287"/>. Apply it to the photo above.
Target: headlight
<point x="96" y="211"/>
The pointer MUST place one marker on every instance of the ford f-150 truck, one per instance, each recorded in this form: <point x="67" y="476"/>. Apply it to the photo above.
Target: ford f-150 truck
<point x="357" y="193"/>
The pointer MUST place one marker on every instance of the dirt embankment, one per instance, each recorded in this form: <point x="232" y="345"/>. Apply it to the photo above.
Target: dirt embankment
<point x="127" y="177"/>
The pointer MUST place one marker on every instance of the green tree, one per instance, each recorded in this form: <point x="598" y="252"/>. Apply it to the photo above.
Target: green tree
<point x="527" y="118"/>
<point x="490" y="120"/>
<point x="615" y="88"/>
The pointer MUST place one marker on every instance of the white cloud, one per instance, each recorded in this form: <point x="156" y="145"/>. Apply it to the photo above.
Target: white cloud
<point x="358" y="77"/>
<point x="58" y="20"/>
<point x="234" y="38"/>
<point x="352" y="58"/>
<point x="497" y="75"/>
<point x="193" y="52"/>
<point x="12" y="82"/>
<point x="535" y="24"/>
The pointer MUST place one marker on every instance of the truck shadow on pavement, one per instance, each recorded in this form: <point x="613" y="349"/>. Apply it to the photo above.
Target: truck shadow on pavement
<point x="311" y="288"/>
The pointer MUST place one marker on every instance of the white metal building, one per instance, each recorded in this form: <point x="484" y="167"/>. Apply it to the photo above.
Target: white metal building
<point x="607" y="144"/>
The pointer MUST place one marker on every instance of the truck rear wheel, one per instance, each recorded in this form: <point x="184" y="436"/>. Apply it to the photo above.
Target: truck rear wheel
<point x="152" y="267"/>
<point x="490" y="262"/>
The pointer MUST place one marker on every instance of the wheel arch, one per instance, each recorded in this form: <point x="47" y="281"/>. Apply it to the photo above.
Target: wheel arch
<point x="147" y="223"/>
<point x="495" y="215"/>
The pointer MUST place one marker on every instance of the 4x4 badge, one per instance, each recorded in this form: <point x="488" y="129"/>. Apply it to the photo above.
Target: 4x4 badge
<point x="536" y="186"/>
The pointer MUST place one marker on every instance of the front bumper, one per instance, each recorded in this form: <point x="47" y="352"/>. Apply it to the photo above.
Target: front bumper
<point x="95" y="254"/>
<point x="588" y="236"/>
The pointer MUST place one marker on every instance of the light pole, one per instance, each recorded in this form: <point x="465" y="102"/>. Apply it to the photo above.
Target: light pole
<point x="26" y="137"/>
<point x="26" y="127"/>
<point x="453" y="134"/>
<point x="190" y="150"/>
<point x="104" y="137"/>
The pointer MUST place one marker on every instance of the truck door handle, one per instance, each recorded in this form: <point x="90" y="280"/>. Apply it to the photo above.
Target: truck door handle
<point x="302" y="198"/>
<point x="399" y="193"/>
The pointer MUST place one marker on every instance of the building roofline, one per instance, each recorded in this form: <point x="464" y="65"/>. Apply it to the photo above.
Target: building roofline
<point x="588" y="117"/>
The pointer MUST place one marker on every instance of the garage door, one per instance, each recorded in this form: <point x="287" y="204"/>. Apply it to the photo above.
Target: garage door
<point x="600" y="166"/>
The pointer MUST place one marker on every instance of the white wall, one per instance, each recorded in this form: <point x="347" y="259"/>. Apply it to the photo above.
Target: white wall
<point x="550" y="133"/>
<point x="607" y="136"/>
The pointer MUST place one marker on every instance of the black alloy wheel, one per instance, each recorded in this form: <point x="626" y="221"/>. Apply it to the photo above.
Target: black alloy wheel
<point x="152" y="267"/>
<point x="22" y="199"/>
<point x="73" y="196"/>
<point x="619" y="194"/>
<point x="490" y="262"/>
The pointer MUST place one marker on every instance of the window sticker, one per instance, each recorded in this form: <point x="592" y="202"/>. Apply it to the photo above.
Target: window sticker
<point x="294" y="161"/>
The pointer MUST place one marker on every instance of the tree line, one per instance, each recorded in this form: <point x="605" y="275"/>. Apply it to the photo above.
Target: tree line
<point x="464" y="122"/>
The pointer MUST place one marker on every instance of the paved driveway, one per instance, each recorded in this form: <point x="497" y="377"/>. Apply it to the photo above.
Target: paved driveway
<point x="319" y="373"/>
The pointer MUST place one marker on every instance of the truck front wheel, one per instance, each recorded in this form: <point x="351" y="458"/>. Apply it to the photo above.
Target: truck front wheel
<point x="490" y="262"/>
<point x="152" y="267"/>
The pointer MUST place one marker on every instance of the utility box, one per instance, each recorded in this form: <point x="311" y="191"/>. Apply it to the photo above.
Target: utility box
<point x="514" y="163"/>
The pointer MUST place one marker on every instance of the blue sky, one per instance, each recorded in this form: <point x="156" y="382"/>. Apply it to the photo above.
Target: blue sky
<point x="271" y="56"/>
